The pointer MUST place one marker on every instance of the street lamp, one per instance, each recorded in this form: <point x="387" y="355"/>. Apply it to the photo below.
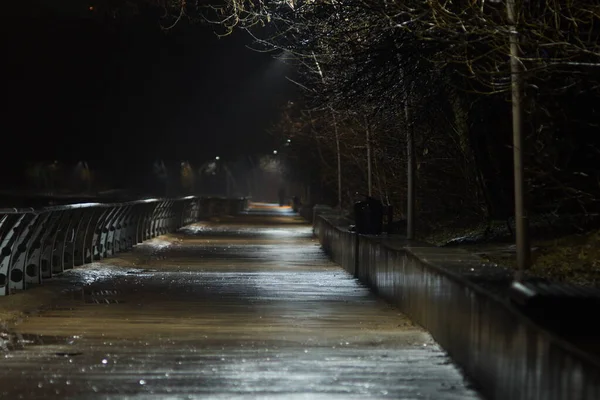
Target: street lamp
<point x="217" y="158"/>
<point x="516" y="74"/>
<point x="275" y="152"/>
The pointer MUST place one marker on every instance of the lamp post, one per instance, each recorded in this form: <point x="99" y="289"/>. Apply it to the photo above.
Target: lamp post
<point x="410" y="171"/>
<point x="368" y="143"/>
<point x="223" y="169"/>
<point x="410" y="164"/>
<point x="229" y="185"/>
<point x="516" y="73"/>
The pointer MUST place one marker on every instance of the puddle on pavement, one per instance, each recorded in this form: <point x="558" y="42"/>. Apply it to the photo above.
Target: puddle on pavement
<point x="15" y="341"/>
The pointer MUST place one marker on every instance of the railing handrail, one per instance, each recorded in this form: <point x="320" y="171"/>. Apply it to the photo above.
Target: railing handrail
<point x="65" y="207"/>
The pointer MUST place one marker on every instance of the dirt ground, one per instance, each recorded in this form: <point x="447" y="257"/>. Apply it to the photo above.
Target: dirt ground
<point x="558" y="256"/>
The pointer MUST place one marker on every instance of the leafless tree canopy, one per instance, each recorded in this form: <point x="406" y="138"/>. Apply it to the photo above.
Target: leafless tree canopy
<point x="449" y="61"/>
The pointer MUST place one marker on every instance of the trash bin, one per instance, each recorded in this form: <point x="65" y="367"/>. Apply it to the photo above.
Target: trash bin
<point x="368" y="216"/>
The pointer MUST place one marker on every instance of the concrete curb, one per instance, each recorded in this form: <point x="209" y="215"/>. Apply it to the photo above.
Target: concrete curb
<point x="506" y="354"/>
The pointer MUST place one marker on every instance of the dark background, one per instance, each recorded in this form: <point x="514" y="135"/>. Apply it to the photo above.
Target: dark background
<point x="120" y="93"/>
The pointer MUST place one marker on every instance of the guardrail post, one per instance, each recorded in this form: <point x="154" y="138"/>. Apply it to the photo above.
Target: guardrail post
<point x="141" y="211"/>
<point x="92" y="234"/>
<point x="87" y="217"/>
<point x="134" y="223"/>
<point x="33" y="269"/>
<point x="57" y="251"/>
<point x="9" y="232"/>
<point x="149" y="221"/>
<point x="19" y="253"/>
<point x="192" y="212"/>
<point x="159" y="219"/>
<point x="184" y="209"/>
<point x="153" y="220"/>
<point x="41" y="255"/>
<point x="145" y="224"/>
<point x="67" y="252"/>
<point x="48" y="245"/>
<point x="105" y="232"/>
<point x="164" y="219"/>
<point x="120" y="240"/>
<point x="112" y="230"/>
<point x="130" y="228"/>
<point x="100" y="234"/>
<point x="172" y="221"/>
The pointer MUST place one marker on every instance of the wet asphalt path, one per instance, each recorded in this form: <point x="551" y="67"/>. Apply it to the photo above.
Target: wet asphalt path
<point x="241" y="308"/>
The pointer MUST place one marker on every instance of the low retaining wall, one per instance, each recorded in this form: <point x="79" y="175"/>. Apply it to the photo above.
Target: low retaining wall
<point x="503" y="352"/>
<point x="38" y="243"/>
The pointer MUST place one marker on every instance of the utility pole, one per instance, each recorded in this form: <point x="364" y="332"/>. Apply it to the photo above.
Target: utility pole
<point x="516" y="69"/>
<point x="369" y="179"/>
<point x="410" y="169"/>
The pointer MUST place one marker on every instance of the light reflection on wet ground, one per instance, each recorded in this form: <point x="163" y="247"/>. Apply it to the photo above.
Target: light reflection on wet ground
<point x="237" y="308"/>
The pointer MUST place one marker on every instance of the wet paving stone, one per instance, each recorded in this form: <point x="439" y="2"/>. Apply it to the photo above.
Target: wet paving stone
<point x="238" y="308"/>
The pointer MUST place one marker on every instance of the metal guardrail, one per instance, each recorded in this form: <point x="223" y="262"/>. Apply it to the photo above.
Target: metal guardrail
<point x="36" y="244"/>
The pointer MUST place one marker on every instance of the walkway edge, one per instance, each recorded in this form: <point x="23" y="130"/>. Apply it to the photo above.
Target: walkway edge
<point x="500" y="349"/>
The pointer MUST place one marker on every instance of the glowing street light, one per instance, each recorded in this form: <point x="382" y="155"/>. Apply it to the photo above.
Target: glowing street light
<point x="274" y="151"/>
<point x="217" y="158"/>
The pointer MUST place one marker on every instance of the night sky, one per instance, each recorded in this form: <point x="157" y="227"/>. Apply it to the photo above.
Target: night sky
<point x="78" y="86"/>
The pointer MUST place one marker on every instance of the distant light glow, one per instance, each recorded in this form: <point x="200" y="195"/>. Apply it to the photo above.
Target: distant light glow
<point x="217" y="158"/>
<point x="274" y="151"/>
<point x="289" y="141"/>
<point x="91" y="8"/>
<point x="270" y="164"/>
<point x="211" y="168"/>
